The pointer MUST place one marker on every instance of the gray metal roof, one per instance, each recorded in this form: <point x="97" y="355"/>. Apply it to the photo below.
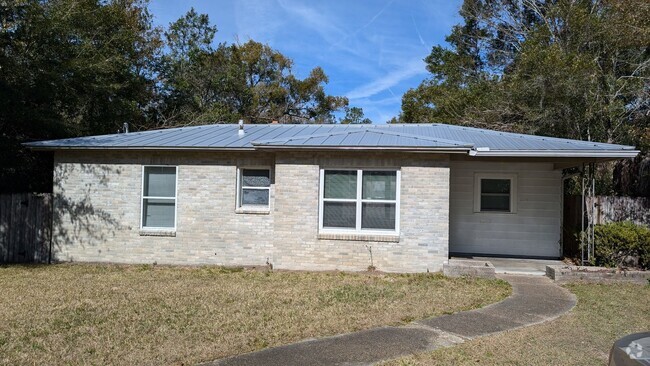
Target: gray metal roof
<point x="433" y="137"/>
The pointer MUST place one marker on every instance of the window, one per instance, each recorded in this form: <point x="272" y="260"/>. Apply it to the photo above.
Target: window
<point x="495" y="193"/>
<point x="359" y="200"/>
<point x="159" y="197"/>
<point x="254" y="188"/>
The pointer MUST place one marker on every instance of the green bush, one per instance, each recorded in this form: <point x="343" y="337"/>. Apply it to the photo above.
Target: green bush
<point x="615" y="242"/>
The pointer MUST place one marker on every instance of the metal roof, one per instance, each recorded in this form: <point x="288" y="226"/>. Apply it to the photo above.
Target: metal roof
<point x="433" y="137"/>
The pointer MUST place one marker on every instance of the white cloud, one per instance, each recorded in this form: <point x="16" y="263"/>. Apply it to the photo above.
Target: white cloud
<point x="258" y="20"/>
<point x="384" y="82"/>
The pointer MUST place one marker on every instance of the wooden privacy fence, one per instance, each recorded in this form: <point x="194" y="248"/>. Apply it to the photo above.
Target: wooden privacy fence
<point x="607" y="209"/>
<point x="25" y="227"/>
<point x="613" y="209"/>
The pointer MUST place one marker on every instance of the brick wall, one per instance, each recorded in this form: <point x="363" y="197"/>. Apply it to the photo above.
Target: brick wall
<point x="98" y="198"/>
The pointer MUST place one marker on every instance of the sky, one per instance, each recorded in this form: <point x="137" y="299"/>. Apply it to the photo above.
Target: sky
<point x="371" y="50"/>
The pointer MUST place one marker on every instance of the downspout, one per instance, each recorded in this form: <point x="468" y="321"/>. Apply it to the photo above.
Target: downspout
<point x="49" y="254"/>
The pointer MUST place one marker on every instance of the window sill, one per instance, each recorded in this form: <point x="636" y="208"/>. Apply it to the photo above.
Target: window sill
<point x="145" y="232"/>
<point x="387" y="238"/>
<point x="253" y="211"/>
<point x="496" y="212"/>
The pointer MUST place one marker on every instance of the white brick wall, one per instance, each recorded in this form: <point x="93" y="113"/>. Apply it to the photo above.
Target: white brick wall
<point x="97" y="199"/>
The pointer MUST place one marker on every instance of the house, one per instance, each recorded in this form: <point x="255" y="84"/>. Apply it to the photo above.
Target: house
<point x="320" y="197"/>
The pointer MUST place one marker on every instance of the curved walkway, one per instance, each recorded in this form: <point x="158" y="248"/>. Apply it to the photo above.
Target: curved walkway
<point x="534" y="300"/>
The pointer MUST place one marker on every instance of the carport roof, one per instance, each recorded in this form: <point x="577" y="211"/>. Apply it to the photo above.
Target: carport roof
<point x="403" y="137"/>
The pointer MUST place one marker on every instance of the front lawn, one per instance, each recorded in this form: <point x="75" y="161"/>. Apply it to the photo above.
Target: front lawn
<point x="133" y="315"/>
<point x="583" y="337"/>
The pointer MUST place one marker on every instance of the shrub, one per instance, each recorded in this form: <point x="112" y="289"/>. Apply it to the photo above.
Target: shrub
<point x="616" y="243"/>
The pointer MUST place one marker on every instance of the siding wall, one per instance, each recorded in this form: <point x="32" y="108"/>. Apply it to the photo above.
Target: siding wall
<point x="97" y="198"/>
<point x="533" y="231"/>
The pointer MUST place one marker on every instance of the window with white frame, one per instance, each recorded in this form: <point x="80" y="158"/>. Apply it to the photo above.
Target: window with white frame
<point x="495" y="193"/>
<point x="159" y="197"/>
<point x="254" y="188"/>
<point x="359" y="200"/>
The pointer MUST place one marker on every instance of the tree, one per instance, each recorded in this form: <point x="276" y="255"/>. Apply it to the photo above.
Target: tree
<point x="576" y="69"/>
<point x="249" y="81"/>
<point x="69" y="68"/>
<point x="354" y="115"/>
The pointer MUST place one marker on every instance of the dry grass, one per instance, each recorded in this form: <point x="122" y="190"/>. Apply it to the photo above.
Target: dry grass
<point x="109" y="314"/>
<point x="583" y="337"/>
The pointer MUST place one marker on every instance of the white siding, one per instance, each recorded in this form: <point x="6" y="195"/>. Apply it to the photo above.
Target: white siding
<point x="534" y="230"/>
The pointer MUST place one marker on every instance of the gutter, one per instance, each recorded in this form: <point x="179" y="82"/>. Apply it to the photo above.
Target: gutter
<point x="557" y="153"/>
<point x="148" y="148"/>
<point x="471" y="151"/>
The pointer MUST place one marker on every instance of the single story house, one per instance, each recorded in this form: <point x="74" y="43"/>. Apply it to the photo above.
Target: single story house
<point x="401" y="197"/>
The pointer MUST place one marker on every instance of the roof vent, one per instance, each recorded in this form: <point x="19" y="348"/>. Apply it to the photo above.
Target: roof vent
<point x="125" y="128"/>
<point x="241" y="127"/>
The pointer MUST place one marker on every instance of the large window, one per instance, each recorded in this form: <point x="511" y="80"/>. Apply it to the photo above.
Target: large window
<point x="159" y="197"/>
<point x="359" y="200"/>
<point x="254" y="188"/>
<point x="495" y="193"/>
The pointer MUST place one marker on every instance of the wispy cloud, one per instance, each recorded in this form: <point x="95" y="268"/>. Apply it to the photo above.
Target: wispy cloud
<point x="320" y="22"/>
<point x="385" y="82"/>
<point x="372" y="20"/>
<point x="418" y="32"/>
<point x="371" y="50"/>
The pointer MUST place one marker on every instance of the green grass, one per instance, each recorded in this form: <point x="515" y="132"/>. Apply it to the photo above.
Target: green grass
<point x="584" y="336"/>
<point x="144" y="314"/>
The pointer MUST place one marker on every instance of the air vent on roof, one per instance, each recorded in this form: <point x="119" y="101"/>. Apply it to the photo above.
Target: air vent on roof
<point x="241" y="127"/>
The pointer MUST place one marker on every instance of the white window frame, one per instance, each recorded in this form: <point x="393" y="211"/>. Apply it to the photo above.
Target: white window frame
<point x="359" y="203"/>
<point x="478" y="177"/>
<point x="143" y="197"/>
<point x="241" y="187"/>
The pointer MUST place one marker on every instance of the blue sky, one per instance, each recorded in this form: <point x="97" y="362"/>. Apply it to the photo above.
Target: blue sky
<point x="372" y="50"/>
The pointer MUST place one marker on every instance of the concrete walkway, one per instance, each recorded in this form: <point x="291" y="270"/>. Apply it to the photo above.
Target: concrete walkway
<point x="534" y="300"/>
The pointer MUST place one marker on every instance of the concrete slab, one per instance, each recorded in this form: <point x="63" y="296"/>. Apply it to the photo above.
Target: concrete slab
<point x="358" y="348"/>
<point x="535" y="299"/>
<point x="523" y="266"/>
<point x="466" y="267"/>
<point x="471" y="324"/>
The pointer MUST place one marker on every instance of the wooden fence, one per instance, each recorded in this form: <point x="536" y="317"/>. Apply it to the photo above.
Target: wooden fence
<point x="607" y="209"/>
<point x="613" y="209"/>
<point x="25" y="227"/>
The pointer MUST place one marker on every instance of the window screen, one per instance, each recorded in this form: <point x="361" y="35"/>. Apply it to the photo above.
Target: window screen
<point x="255" y="187"/>
<point x="372" y="207"/>
<point x="159" y="197"/>
<point x="495" y="195"/>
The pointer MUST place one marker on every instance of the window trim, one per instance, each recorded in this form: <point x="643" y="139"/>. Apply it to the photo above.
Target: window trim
<point x="241" y="208"/>
<point x="478" y="177"/>
<point x="359" y="200"/>
<point x="142" y="198"/>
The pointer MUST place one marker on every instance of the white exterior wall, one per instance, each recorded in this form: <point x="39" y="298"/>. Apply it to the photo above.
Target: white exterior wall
<point x="97" y="199"/>
<point x="534" y="230"/>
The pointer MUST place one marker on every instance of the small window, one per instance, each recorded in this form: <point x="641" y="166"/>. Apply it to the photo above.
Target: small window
<point x="159" y="197"/>
<point x="254" y="188"/>
<point x="359" y="200"/>
<point x="495" y="193"/>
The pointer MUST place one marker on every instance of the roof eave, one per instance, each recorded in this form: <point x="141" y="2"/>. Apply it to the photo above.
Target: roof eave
<point x="139" y="148"/>
<point x="558" y="153"/>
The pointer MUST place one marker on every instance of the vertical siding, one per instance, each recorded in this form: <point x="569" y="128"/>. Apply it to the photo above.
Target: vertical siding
<point x="534" y="230"/>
